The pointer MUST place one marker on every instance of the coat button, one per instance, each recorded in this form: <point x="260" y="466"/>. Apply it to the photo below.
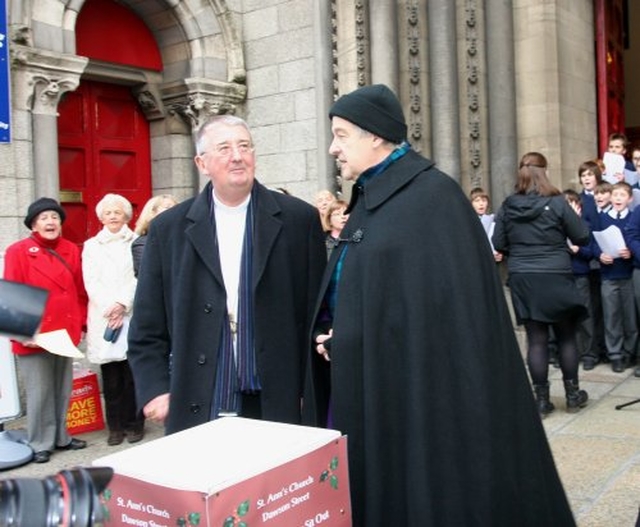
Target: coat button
<point x="202" y="359"/>
<point x="195" y="408"/>
<point x="208" y="308"/>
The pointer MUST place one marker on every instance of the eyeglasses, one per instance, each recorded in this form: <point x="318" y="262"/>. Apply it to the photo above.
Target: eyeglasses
<point x="227" y="149"/>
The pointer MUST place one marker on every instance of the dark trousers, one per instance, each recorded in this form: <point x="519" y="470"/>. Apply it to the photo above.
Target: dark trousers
<point x="587" y="345"/>
<point x="120" y="397"/>
<point x="599" y="349"/>
<point x="620" y="324"/>
<point x="251" y="406"/>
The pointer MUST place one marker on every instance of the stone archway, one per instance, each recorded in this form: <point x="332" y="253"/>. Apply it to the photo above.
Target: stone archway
<point x="203" y="74"/>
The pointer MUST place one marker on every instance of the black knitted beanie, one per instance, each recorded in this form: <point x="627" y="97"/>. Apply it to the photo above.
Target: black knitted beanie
<point x="373" y="108"/>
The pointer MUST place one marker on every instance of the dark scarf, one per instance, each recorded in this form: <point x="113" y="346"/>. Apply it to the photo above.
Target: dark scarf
<point x="358" y="188"/>
<point x="239" y="375"/>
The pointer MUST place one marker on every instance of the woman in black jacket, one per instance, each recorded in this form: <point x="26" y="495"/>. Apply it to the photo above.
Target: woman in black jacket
<point x="151" y="209"/>
<point x="532" y="228"/>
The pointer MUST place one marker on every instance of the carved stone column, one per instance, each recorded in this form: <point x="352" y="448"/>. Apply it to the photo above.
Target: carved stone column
<point x="40" y="78"/>
<point x="324" y="71"/>
<point x="443" y="81"/>
<point x="384" y="44"/>
<point x="194" y="100"/>
<point x="501" y="94"/>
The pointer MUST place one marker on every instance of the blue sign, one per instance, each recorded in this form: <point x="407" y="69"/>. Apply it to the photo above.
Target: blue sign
<point x="5" y="96"/>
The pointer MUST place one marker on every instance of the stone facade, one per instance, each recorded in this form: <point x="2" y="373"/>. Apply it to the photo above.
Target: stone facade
<point x="482" y="81"/>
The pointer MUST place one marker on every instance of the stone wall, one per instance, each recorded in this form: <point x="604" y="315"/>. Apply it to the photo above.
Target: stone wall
<point x="278" y="39"/>
<point x="555" y="83"/>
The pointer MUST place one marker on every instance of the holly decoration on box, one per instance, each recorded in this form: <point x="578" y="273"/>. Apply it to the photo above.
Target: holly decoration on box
<point x="105" y="498"/>
<point x="235" y="519"/>
<point x="192" y="519"/>
<point x="328" y="474"/>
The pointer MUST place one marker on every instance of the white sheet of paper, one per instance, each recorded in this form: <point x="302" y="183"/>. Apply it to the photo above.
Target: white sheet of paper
<point x="613" y="164"/>
<point x="490" y="235"/>
<point x="636" y="199"/>
<point x="610" y="240"/>
<point x="58" y="342"/>
<point x="487" y="220"/>
<point x="630" y="177"/>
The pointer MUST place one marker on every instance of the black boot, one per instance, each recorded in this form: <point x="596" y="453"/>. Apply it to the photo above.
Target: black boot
<point x="576" y="398"/>
<point x="544" y="405"/>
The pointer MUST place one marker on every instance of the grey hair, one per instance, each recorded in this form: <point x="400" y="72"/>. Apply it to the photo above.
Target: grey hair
<point x="226" y="119"/>
<point x="367" y="133"/>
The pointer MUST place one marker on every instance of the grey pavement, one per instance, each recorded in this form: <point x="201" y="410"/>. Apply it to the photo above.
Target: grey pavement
<point x="597" y="450"/>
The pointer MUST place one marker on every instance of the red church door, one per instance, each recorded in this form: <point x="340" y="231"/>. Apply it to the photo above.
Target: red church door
<point x="609" y="19"/>
<point x="103" y="145"/>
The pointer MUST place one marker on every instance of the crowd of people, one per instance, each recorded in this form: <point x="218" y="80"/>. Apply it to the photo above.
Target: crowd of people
<point x="90" y="296"/>
<point x="367" y="315"/>
<point x="593" y="316"/>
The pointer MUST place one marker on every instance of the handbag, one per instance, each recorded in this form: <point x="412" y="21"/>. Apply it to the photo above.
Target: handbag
<point x="112" y="334"/>
<point x="115" y="348"/>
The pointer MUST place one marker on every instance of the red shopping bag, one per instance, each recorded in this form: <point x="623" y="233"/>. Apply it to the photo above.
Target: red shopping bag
<point x="85" y="407"/>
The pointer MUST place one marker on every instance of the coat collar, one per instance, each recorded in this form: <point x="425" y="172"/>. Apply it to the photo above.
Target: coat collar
<point x="380" y="188"/>
<point x="375" y="192"/>
<point x="267" y="226"/>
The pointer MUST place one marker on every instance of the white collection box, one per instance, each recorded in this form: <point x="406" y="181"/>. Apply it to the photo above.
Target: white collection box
<point x="232" y="472"/>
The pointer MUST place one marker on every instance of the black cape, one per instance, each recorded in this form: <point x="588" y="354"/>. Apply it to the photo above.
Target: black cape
<point x="426" y="376"/>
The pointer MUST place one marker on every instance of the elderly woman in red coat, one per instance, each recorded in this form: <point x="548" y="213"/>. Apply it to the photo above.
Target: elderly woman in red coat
<point x="45" y="259"/>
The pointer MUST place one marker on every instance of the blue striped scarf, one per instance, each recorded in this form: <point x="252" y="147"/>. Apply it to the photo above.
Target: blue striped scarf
<point x="234" y="377"/>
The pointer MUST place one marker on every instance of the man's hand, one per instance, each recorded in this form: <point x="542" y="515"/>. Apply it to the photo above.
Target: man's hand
<point x="320" y="341"/>
<point x="157" y="409"/>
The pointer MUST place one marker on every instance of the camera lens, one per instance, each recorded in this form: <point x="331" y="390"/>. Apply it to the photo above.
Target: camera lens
<point x="67" y="499"/>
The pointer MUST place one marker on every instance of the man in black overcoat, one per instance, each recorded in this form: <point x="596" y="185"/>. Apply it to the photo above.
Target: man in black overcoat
<point x="225" y="294"/>
<point x="426" y="378"/>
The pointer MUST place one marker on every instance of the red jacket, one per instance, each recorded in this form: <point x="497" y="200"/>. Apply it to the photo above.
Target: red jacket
<point x="29" y="262"/>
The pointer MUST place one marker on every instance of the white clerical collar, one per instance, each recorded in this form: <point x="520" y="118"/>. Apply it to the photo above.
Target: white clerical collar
<point x="227" y="208"/>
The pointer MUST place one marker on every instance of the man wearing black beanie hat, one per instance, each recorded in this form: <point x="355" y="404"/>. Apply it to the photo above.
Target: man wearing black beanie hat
<point x="375" y="109"/>
<point x="416" y="360"/>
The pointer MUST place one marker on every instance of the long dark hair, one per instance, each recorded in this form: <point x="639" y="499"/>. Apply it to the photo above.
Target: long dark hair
<point x="532" y="176"/>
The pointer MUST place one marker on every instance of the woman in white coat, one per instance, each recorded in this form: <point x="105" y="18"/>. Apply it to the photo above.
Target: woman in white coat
<point x="107" y="268"/>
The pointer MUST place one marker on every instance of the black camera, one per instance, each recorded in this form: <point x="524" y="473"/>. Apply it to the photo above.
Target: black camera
<point x="68" y="499"/>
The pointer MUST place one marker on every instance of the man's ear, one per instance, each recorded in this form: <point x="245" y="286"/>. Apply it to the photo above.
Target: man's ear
<point x="377" y="141"/>
<point x="199" y="163"/>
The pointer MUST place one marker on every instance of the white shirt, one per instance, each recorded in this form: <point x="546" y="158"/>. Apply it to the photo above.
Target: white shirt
<point x="230" y="225"/>
<point x="614" y="213"/>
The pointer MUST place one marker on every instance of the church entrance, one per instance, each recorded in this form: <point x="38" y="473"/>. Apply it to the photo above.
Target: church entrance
<point x="103" y="146"/>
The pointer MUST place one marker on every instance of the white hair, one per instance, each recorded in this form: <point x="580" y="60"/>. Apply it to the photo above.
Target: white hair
<point x="115" y="199"/>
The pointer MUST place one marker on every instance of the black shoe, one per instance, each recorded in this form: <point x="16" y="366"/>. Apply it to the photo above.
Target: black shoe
<point x="589" y="364"/>
<point x="74" y="444"/>
<point x="134" y="436"/>
<point x="115" y="438"/>
<point x="42" y="457"/>
<point x="576" y="398"/>
<point x="544" y="405"/>
<point x="618" y="365"/>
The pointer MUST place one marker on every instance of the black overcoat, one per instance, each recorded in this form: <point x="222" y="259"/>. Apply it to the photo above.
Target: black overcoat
<point x="180" y="305"/>
<point x="427" y="379"/>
